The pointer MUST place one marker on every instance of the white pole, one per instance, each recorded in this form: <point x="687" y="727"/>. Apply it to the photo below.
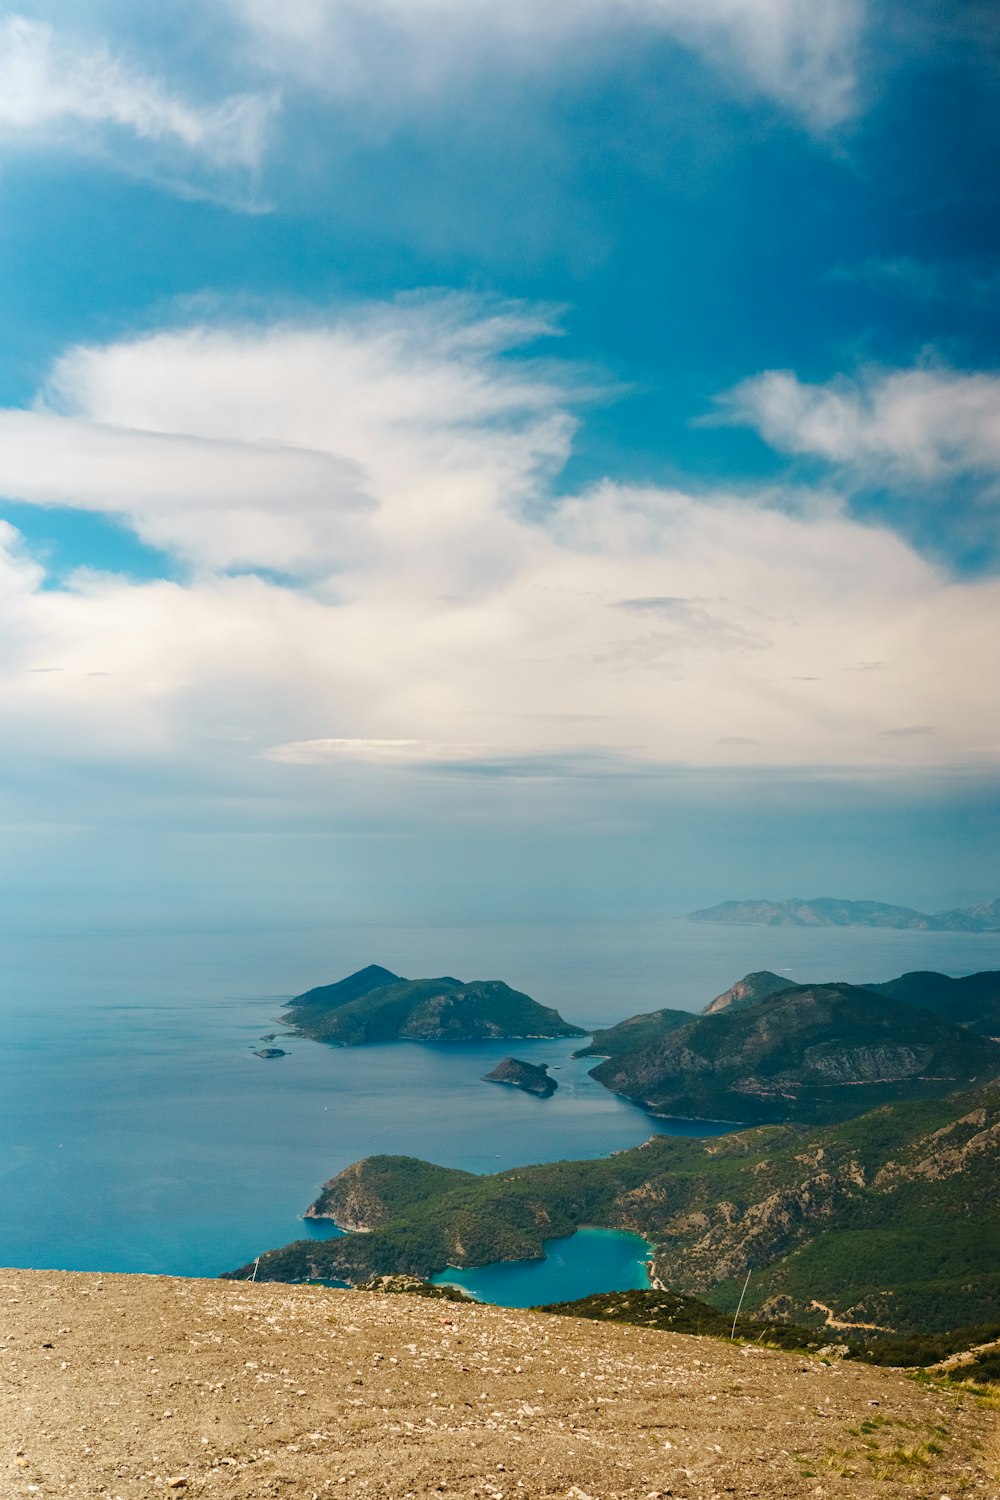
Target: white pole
<point x="255" y="1265"/>
<point x="740" y="1304"/>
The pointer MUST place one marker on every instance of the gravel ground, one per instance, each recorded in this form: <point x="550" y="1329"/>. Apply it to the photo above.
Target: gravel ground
<point x="123" y="1387"/>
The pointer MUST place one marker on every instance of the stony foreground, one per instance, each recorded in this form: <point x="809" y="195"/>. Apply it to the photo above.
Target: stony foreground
<point x="124" y="1386"/>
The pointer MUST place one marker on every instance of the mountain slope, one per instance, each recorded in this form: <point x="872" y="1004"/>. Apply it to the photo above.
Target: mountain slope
<point x="816" y="1052"/>
<point x="635" y="1032"/>
<point x="354" y="987"/>
<point x="972" y="1000"/>
<point x="367" y="1007"/>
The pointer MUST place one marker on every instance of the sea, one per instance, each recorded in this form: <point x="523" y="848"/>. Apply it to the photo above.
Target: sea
<point x="139" y="1132"/>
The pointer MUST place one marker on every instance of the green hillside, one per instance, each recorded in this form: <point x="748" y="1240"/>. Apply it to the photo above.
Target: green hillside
<point x="636" y="1032"/>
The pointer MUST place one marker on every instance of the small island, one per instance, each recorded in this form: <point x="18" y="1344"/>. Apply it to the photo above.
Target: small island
<point x="533" y="1078"/>
<point x="270" y="1052"/>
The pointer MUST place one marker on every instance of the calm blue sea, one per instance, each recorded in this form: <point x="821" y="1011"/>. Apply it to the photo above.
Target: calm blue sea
<point x="139" y="1133"/>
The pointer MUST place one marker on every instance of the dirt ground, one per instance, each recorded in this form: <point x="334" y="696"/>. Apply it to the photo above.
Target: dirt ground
<point x="123" y="1387"/>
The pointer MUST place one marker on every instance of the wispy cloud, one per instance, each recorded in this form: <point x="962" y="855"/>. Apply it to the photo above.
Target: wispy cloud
<point x="56" y="88"/>
<point x="377" y="752"/>
<point x="919" y="424"/>
<point x="380" y="51"/>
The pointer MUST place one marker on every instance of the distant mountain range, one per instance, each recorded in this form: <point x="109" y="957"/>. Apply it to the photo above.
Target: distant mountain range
<point x="827" y="911"/>
<point x="375" y="1005"/>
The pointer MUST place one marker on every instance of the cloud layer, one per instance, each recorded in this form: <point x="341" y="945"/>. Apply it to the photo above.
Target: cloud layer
<point x="442" y="606"/>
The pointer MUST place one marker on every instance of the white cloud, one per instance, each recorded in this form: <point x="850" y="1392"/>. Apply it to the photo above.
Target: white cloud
<point x="216" y="504"/>
<point x="801" y="54"/>
<point x="264" y="447"/>
<point x="392" y="752"/>
<point x="920" y="424"/>
<point x="52" y="86"/>
<point x="453" y="611"/>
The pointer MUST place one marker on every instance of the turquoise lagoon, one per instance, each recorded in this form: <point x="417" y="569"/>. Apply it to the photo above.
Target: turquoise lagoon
<point x="592" y="1260"/>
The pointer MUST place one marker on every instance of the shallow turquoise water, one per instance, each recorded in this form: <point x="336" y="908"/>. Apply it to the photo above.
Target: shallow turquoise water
<point x="592" y="1260"/>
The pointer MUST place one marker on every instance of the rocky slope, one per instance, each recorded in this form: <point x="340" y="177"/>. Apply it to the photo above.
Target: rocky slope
<point x="748" y="990"/>
<point x="125" y="1388"/>
<point x="375" y="1005"/>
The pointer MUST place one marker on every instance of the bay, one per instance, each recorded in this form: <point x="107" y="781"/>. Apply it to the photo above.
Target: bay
<point x="592" y="1260"/>
<point x="138" y="1132"/>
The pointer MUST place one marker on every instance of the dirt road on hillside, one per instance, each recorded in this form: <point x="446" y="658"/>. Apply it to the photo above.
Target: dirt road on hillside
<point x="127" y="1388"/>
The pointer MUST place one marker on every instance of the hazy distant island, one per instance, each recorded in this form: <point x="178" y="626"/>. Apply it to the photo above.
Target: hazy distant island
<point x="375" y="1005"/>
<point x="270" y="1052"/>
<point x="533" y="1078"/>
<point x="828" y="911"/>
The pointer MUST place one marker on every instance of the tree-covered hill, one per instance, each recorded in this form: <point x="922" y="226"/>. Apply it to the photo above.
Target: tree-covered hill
<point x="375" y="1005"/>
<point x="813" y="1052"/>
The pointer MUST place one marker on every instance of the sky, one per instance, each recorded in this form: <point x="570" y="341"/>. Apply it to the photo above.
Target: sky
<point x="466" y="460"/>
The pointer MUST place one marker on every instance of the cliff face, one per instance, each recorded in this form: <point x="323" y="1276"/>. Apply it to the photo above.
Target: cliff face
<point x="365" y="1008"/>
<point x="533" y="1078"/>
<point x="816" y="1052"/>
<point x="748" y="990"/>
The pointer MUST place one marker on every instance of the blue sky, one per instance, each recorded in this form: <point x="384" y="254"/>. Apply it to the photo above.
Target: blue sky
<point x="571" y="431"/>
